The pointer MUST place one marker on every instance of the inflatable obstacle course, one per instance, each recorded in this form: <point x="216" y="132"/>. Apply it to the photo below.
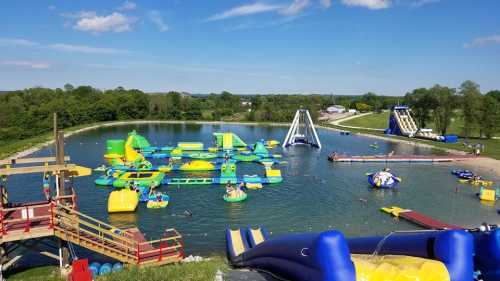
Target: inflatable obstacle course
<point x="142" y="179"/>
<point x="228" y="141"/>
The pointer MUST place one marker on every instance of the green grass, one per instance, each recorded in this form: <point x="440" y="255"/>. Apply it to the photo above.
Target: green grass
<point x="199" y="271"/>
<point x="194" y="271"/>
<point x="42" y="273"/>
<point x="11" y="147"/>
<point x="375" y="121"/>
<point x="492" y="146"/>
<point x="381" y="121"/>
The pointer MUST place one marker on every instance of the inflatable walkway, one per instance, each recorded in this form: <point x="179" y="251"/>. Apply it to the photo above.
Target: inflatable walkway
<point x="328" y="256"/>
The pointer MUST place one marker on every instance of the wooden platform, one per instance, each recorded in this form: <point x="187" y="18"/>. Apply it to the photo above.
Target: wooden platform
<point x="419" y="219"/>
<point x="44" y="219"/>
<point x="401" y="158"/>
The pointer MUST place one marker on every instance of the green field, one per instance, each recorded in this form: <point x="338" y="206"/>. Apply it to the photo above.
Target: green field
<point x="381" y="121"/>
<point x="492" y="146"/>
<point x="193" y="271"/>
<point x="374" y="120"/>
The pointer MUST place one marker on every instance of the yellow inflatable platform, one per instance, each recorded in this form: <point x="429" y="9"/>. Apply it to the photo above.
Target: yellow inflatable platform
<point x="197" y="165"/>
<point x="488" y="195"/>
<point x="123" y="200"/>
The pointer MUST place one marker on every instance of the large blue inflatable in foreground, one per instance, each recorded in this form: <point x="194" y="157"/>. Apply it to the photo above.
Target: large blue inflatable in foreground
<point x="328" y="256"/>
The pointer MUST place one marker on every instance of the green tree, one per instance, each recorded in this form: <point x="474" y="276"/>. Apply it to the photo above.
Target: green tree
<point x="68" y="87"/>
<point x="444" y="110"/>
<point x="471" y="103"/>
<point x="363" y="107"/>
<point x="494" y="94"/>
<point x="421" y="102"/>
<point x="490" y="116"/>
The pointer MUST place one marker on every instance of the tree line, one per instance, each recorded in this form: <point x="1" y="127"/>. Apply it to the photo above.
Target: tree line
<point x="480" y="114"/>
<point x="26" y="113"/>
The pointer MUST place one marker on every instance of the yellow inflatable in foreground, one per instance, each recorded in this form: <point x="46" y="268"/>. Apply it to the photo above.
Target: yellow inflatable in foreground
<point x="398" y="268"/>
<point x="123" y="200"/>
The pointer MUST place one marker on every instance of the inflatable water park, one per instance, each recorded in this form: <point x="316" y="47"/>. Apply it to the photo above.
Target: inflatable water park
<point x="135" y="173"/>
<point x="134" y="177"/>
<point x="401" y="123"/>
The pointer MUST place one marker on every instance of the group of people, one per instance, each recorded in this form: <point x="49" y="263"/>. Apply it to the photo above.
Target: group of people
<point x="234" y="192"/>
<point x="384" y="176"/>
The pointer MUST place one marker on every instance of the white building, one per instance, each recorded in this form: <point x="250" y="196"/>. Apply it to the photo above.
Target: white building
<point x="335" y="109"/>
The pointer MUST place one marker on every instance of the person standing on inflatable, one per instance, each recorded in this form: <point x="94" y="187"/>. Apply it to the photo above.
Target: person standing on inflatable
<point x="46" y="186"/>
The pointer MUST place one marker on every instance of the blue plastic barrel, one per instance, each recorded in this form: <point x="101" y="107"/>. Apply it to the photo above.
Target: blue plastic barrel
<point x="117" y="267"/>
<point x="94" y="267"/>
<point x="105" y="269"/>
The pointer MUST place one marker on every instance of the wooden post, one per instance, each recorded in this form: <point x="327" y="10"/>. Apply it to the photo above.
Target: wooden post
<point x="64" y="255"/>
<point x="60" y="161"/>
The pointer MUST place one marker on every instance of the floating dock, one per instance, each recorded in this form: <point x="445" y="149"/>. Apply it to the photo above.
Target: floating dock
<point x="401" y="158"/>
<point x="419" y="219"/>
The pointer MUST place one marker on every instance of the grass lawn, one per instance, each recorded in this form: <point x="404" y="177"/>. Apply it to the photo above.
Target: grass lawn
<point x="492" y="146"/>
<point x="374" y="120"/>
<point x="193" y="271"/>
<point x="381" y="121"/>
<point x="42" y="273"/>
<point x="199" y="271"/>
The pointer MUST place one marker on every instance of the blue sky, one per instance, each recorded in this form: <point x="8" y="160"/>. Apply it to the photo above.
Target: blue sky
<point x="251" y="47"/>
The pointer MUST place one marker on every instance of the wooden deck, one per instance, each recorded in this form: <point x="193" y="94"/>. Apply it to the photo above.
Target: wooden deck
<point x="401" y="158"/>
<point x="44" y="219"/>
<point x="419" y="219"/>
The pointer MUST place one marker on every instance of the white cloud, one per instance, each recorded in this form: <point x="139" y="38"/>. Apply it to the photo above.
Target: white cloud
<point x="420" y="3"/>
<point x="370" y="4"/>
<point x="483" y="41"/>
<point x="24" y="64"/>
<point x="157" y="19"/>
<point x="127" y="6"/>
<point x="325" y="3"/>
<point x="62" y="47"/>
<point x="245" y="10"/>
<point x="115" y="22"/>
<point x="17" y="42"/>
<point x="79" y="15"/>
<point x="85" y="49"/>
<point x="295" y="7"/>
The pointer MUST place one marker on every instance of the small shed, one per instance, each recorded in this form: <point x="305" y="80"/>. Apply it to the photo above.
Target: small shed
<point x="335" y="109"/>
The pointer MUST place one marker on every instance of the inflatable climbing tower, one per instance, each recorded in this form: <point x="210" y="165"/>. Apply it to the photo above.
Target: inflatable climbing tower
<point x="302" y="131"/>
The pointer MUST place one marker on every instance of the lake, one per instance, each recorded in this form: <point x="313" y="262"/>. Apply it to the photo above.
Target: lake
<point x="315" y="195"/>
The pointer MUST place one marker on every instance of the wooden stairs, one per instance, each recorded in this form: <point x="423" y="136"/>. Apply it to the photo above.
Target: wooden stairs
<point x="63" y="221"/>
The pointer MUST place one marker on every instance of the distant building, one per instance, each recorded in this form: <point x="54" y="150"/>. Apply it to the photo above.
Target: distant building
<point x="335" y="109"/>
<point x="246" y="103"/>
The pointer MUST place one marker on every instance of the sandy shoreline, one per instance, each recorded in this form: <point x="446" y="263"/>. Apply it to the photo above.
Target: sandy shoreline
<point x="483" y="164"/>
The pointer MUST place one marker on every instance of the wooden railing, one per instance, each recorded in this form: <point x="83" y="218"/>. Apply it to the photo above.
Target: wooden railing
<point x="25" y="218"/>
<point x="98" y="236"/>
<point x="63" y="221"/>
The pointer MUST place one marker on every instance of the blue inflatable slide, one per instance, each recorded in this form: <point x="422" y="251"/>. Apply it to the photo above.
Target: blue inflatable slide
<point x="328" y="256"/>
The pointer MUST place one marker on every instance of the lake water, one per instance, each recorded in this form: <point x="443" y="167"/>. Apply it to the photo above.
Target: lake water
<point x="316" y="194"/>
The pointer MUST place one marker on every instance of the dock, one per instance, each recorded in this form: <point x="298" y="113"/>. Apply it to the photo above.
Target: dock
<point x="419" y="219"/>
<point x="401" y="158"/>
